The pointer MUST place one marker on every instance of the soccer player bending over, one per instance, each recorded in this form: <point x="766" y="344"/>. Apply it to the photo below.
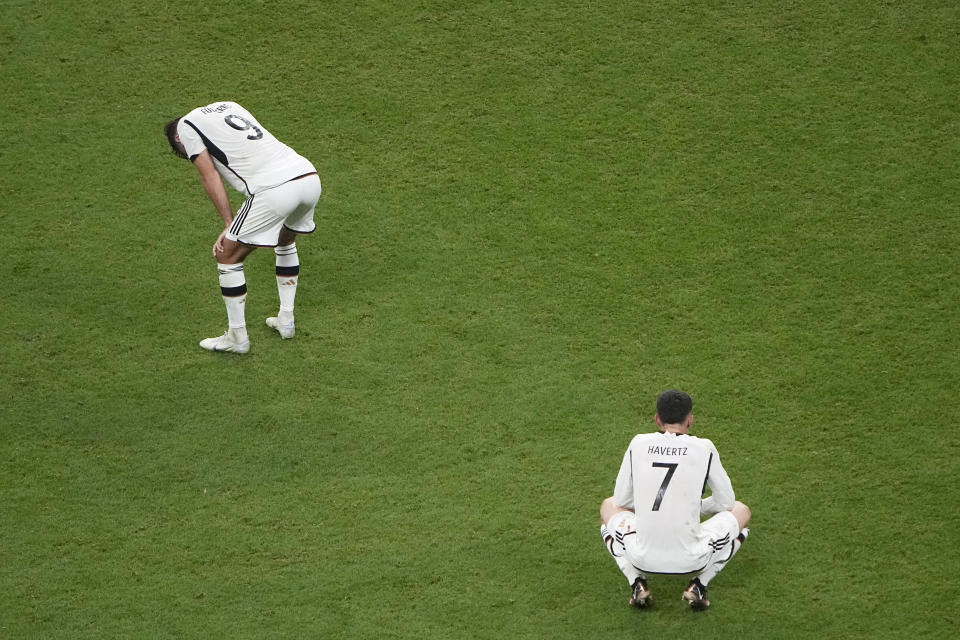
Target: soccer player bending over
<point x="223" y="140"/>
<point x="651" y="524"/>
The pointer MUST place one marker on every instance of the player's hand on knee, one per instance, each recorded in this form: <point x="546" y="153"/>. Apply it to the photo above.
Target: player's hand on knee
<point x="218" y="245"/>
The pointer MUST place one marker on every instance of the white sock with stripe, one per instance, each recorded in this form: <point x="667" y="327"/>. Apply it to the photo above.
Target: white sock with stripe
<point x="288" y="274"/>
<point x="233" y="288"/>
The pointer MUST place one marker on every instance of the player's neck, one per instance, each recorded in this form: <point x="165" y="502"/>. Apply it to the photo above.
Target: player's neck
<point x="677" y="429"/>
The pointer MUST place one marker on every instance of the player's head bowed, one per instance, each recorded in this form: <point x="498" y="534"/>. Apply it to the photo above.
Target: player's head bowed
<point x="171" y="130"/>
<point x="674" y="406"/>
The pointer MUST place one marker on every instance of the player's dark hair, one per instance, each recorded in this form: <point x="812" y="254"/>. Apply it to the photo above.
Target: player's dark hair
<point x="171" y="130"/>
<point x="673" y="406"/>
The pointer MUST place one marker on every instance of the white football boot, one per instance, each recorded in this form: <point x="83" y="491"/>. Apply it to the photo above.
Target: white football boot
<point x="226" y="342"/>
<point x="286" y="330"/>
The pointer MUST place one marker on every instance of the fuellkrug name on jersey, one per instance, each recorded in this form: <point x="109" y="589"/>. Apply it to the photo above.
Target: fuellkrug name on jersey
<point x="218" y="109"/>
<point x="667" y="451"/>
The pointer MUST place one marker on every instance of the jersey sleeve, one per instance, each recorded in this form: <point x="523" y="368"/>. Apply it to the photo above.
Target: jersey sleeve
<point x="190" y="139"/>
<point x="623" y="491"/>
<point x="721" y="489"/>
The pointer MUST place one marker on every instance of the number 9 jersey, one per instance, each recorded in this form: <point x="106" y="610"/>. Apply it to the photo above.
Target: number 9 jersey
<point x="662" y="480"/>
<point x="245" y="154"/>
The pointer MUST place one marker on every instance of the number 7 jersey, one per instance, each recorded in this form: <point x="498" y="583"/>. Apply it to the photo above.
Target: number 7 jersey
<point x="662" y="479"/>
<point x="248" y="156"/>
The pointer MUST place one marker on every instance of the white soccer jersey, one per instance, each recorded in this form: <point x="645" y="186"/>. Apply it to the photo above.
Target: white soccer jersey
<point x="248" y="156"/>
<point x="662" y="479"/>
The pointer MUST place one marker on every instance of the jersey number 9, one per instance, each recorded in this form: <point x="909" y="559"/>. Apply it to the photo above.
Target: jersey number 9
<point x="242" y="124"/>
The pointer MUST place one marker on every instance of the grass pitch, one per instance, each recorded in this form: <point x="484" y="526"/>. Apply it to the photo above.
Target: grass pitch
<point x="535" y="217"/>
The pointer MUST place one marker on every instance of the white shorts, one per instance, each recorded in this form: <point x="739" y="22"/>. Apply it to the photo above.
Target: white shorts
<point x="719" y="533"/>
<point x="259" y="220"/>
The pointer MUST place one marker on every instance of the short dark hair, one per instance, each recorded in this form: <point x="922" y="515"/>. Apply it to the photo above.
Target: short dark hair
<point x="673" y="406"/>
<point x="171" y="130"/>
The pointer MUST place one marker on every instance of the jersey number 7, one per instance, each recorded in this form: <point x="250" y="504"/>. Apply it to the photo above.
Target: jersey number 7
<point x="671" y="467"/>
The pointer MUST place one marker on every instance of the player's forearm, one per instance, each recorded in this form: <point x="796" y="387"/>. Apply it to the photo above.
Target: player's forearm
<point x="623" y="497"/>
<point x="721" y="498"/>
<point x="213" y="185"/>
<point x="218" y="196"/>
<point x="721" y="490"/>
<point x="710" y="505"/>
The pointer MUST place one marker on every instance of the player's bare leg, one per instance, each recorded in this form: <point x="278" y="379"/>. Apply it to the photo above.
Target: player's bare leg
<point x="288" y="273"/>
<point x="742" y="513"/>
<point x="233" y="288"/>
<point x="608" y="509"/>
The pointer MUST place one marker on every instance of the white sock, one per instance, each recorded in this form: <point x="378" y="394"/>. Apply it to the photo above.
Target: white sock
<point x="233" y="288"/>
<point x="288" y="273"/>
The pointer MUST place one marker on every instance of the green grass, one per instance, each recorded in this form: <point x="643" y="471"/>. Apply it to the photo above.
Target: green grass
<point x="536" y="216"/>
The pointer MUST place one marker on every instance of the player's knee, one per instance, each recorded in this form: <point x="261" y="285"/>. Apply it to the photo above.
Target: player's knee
<point x="607" y="508"/>
<point x="742" y="513"/>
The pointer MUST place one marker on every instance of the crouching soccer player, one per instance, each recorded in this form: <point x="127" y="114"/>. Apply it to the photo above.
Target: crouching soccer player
<point x="652" y="524"/>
